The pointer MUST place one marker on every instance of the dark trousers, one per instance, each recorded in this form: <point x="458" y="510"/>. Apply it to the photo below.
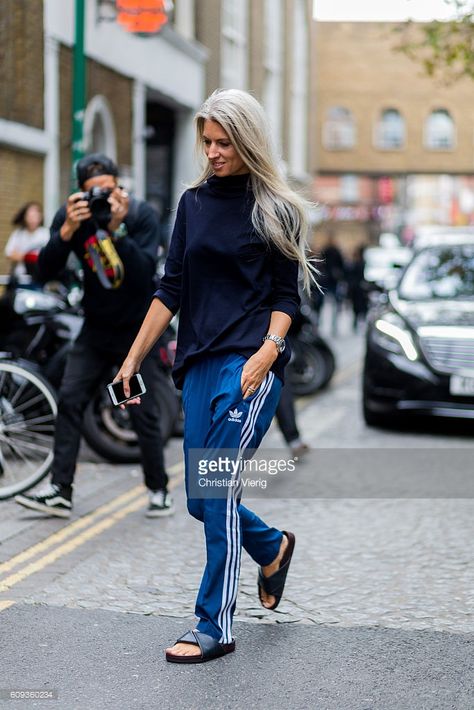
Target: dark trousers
<point x="86" y="367"/>
<point x="285" y="414"/>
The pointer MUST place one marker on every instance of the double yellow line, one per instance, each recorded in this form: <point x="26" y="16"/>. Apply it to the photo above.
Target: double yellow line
<point x="78" y="532"/>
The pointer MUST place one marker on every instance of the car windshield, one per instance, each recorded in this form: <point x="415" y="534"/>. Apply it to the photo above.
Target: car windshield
<point x="443" y="272"/>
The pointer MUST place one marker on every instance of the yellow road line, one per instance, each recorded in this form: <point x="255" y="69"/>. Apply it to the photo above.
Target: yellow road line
<point x="176" y="467"/>
<point x="6" y="604"/>
<point x="75" y="542"/>
<point x="83" y="522"/>
<point x="69" y="529"/>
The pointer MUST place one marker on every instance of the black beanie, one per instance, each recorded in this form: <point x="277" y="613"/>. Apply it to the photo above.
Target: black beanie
<point x="93" y="165"/>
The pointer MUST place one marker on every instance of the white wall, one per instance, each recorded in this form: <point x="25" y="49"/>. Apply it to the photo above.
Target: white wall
<point x="273" y="67"/>
<point x="234" y="44"/>
<point x="298" y="136"/>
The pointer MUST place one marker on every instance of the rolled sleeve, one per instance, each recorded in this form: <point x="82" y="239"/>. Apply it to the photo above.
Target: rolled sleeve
<point x="169" y="292"/>
<point x="285" y="295"/>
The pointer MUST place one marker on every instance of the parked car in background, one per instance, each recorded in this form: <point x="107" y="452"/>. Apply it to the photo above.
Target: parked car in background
<point x="420" y="339"/>
<point x="384" y="265"/>
<point x="431" y="235"/>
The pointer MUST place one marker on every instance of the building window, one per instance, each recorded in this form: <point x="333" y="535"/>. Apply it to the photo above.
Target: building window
<point x="350" y="188"/>
<point x="339" y="131"/>
<point x="99" y="128"/>
<point x="390" y="130"/>
<point x="234" y="44"/>
<point x="440" y="131"/>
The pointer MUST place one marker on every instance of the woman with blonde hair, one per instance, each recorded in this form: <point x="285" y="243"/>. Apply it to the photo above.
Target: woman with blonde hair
<point x="238" y="244"/>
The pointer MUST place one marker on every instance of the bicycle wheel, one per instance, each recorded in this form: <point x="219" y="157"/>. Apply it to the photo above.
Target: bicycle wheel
<point x="308" y="368"/>
<point x="27" y="416"/>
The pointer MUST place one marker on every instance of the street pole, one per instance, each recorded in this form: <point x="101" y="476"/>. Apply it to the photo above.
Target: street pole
<point x="78" y="86"/>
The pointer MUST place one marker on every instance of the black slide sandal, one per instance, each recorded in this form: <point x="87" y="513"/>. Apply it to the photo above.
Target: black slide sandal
<point x="210" y="648"/>
<point x="275" y="584"/>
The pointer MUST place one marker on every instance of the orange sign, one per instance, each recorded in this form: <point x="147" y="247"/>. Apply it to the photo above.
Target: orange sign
<point x="142" y="15"/>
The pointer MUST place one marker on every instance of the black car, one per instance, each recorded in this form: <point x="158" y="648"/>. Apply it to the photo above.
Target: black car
<point x="420" y="339"/>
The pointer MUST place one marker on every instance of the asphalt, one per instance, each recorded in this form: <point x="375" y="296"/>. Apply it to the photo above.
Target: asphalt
<point x="105" y="660"/>
<point x="377" y="613"/>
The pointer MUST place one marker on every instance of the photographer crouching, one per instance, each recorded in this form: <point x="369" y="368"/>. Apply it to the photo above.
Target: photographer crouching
<point x="116" y="240"/>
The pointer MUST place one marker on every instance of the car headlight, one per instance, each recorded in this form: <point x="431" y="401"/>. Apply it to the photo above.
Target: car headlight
<point x="391" y="334"/>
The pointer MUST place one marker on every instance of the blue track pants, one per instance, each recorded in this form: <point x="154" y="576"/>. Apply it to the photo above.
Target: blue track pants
<point x="217" y="417"/>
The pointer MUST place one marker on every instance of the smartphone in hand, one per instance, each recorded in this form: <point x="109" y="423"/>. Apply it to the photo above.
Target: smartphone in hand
<point x="117" y="395"/>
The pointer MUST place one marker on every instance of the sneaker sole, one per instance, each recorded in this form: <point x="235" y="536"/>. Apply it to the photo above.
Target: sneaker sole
<point x="159" y="513"/>
<point x="41" y="508"/>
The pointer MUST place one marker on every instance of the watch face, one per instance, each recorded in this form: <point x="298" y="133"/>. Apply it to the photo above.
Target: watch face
<point x="279" y="342"/>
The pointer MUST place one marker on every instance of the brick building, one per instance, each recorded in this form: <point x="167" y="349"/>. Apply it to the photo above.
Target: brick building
<point x="21" y="102"/>
<point x="393" y="149"/>
<point x="138" y="111"/>
<point x="142" y="92"/>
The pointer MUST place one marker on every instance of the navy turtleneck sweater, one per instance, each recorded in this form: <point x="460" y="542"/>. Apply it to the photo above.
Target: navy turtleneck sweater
<point x="222" y="277"/>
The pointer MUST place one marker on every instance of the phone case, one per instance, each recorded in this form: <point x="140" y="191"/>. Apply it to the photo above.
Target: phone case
<point x="115" y="402"/>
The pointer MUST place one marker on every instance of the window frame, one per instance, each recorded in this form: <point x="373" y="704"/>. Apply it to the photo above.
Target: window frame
<point x="380" y="126"/>
<point x="327" y="125"/>
<point x="439" y="149"/>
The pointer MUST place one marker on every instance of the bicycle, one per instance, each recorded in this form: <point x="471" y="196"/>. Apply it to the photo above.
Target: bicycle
<point x="28" y="412"/>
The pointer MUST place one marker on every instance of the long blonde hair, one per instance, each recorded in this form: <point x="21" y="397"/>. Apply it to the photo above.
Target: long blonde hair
<point x="279" y="215"/>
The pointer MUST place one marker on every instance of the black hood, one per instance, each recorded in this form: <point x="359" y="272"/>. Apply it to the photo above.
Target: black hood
<point x="439" y="312"/>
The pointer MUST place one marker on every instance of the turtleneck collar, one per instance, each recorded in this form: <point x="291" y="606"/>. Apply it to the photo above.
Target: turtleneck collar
<point x="231" y="185"/>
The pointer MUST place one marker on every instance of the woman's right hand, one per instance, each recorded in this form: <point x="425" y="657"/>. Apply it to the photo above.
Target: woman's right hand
<point x="129" y="368"/>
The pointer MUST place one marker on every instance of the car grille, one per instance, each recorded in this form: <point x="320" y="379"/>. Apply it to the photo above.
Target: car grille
<point x="448" y="353"/>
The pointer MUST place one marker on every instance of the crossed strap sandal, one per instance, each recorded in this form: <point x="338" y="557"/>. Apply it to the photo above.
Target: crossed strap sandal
<point x="275" y="583"/>
<point x="209" y="646"/>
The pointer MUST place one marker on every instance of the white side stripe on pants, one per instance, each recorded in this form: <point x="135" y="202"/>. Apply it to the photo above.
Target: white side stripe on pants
<point x="230" y="584"/>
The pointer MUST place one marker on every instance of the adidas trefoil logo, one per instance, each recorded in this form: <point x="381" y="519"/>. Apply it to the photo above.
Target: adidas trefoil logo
<point x="235" y="416"/>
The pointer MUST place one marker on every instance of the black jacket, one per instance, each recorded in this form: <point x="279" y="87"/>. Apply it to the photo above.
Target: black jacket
<point x="115" y="308"/>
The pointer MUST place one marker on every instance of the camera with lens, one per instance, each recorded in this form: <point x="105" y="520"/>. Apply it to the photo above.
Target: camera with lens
<point x="99" y="205"/>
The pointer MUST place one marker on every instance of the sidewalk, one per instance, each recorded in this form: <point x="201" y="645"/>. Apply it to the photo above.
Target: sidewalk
<point x="377" y="613"/>
<point x="108" y="660"/>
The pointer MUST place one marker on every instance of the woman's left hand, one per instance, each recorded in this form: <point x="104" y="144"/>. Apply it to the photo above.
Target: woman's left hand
<point x="256" y="368"/>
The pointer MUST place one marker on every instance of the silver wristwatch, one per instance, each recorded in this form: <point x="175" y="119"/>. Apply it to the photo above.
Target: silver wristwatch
<point x="279" y="342"/>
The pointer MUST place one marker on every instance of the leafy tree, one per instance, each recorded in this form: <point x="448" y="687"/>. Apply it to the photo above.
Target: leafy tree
<point x="444" y="49"/>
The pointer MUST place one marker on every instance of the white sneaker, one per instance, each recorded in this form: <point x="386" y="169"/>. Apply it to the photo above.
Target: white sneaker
<point x="160" y="505"/>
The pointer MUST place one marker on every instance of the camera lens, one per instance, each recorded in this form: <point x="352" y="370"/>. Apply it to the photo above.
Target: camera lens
<point x="99" y="205"/>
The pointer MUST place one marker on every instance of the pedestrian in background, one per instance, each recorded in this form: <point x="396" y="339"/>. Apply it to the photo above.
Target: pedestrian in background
<point x="356" y="292"/>
<point x="232" y="270"/>
<point x="331" y="280"/>
<point x="26" y="240"/>
<point x="116" y="296"/>
<point x="286" y="418"/>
